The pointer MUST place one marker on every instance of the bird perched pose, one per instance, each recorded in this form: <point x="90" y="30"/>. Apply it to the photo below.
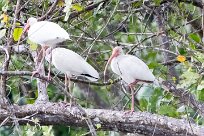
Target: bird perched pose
<point x="130" y="68"/>
<point x="45" y="33"/>
<point x="71" y="63"/>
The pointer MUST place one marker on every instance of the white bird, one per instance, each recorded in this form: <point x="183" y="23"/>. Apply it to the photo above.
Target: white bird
<point x="45" y="33"/>
<point x="70" y="63"/>
<point x="131" y="69"/>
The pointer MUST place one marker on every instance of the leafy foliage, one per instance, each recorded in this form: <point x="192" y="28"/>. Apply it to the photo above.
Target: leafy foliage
<point x="94" y="31"/>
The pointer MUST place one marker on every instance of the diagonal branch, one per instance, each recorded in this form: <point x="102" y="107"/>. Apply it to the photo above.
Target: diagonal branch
<point x="139" y="122"/>
<point x="184" y="97"/>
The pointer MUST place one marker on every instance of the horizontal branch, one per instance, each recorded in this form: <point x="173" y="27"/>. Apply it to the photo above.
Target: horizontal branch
<point x="138" y="122"/>
<point x="28" y="73"/>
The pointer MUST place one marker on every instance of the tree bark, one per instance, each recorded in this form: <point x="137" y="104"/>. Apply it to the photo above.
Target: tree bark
<point x="138" y="122"/>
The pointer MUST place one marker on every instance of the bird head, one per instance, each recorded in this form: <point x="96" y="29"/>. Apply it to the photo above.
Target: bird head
<point x="116" y="52"/>
<point x="29" y="23"/>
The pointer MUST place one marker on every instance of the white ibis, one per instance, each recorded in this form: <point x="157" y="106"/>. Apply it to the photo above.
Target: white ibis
<point x="130" y="68"/>
<point x="45" y="33"/>
<point x="70" y="63"/>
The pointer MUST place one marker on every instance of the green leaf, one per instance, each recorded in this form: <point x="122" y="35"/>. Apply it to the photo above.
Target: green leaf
<point x="195" y="37"/>
<point x="201" y="95"/>
<point x="143" y="104"/>
<point x="2" y="33"/>
<point x="168" y="110"/>
<point x="77" y="7"/>
<point x="188" y="78"/>
<point x="98" y="126"/>
<point x="33" y="46"/>
<point x="201" y="85"/>
<point x="17" y="33"/>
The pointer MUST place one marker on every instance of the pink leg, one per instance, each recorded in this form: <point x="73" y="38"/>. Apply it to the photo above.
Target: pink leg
<point x="133" y="99"/>
<point x="49" y="69"/>
<point x="38" y="69"/>
<point x="41" y="63"/>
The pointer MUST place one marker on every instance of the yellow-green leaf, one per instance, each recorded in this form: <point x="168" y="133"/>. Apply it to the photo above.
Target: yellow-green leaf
<point x="5" y="18"/>
<point x="60" y="3"/>
<point x="33" y="46"/>
<point x="17" y="33"/>
<point x="77" y="7"/>
<point x="98" y="126"/>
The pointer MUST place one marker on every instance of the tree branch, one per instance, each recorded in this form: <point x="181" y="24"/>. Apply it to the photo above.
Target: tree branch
<point x="28" y="73"/>
<point x="139" y="122"/>
<point x="184" y="97"/>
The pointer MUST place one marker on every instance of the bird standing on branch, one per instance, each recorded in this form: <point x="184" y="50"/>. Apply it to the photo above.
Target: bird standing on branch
<point x="71" y="64"/>
<point x="131" y="69"/>
<point x="45" y="33"/>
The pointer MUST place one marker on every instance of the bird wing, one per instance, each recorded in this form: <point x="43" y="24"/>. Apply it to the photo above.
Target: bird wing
<point x="68" y="61"/>
<point x="131" y="68"/>
<point x="45" y="32"/>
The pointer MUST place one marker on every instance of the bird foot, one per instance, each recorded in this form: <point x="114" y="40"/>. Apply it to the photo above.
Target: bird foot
<point x="33" y="73"/>
<point x="48" y="77"/>
<point x="130" y="112"/>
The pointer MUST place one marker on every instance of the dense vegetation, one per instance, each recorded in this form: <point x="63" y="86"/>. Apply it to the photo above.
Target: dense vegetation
<point x="167" y="35"/>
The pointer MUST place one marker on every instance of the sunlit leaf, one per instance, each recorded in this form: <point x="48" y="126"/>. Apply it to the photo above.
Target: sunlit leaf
<point x="47" y="131"/>
<point x="168" y="110"/>
<point x="181" y="58"/>
<point x="17" y="33"/>
<point x="2" y="33"/>
<point x="33" y="46"/>
<point x="195" y="37"/>
<point x="77" y="7"/>
<point x="5" y="18"/>
<point x="98" y="126"/>
<point x="200" y="85"/>
<point x="60" y="3"/>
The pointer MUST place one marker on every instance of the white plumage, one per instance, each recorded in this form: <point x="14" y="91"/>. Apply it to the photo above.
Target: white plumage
<point x="131" y="69"/>
<point x="45" y="32"/>
<point x="70" y="63"/>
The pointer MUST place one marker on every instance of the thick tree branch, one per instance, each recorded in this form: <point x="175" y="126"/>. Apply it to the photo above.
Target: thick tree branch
<point x="138" y="122"/>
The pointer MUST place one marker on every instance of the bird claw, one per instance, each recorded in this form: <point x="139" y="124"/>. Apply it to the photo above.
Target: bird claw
<point x="48" y="77"/>
<point x="130" y="112"/>
<point x="33" y="73"/>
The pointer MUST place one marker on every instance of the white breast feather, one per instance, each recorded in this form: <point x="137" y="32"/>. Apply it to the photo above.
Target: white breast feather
<point x="130" y="68"/>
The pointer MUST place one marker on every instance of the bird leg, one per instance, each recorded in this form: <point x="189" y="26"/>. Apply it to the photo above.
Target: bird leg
<point x="49" y="67"/>
<point x="132" y="98"/>
<point x="41" y="62"/>
<point x="68" y="84"/>
<point x="65" y="84"/>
